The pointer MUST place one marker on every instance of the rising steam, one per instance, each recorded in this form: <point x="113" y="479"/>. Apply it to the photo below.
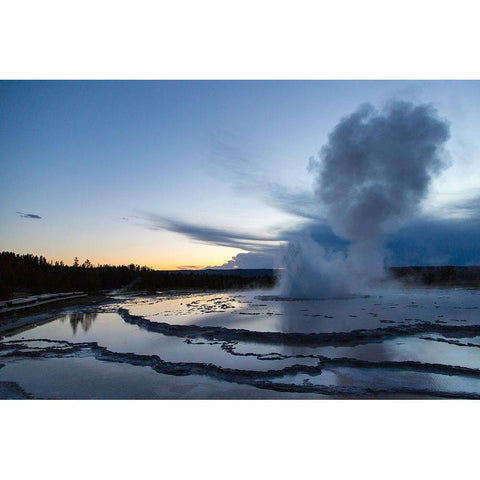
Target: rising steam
<point x="370" y="177"/>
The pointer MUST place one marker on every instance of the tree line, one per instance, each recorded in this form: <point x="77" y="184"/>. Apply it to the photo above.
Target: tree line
<point x="34" y="274"/>
<point x="447" y="275"/>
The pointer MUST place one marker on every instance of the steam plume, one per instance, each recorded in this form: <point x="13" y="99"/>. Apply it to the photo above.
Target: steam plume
<point x="370" y="176"/>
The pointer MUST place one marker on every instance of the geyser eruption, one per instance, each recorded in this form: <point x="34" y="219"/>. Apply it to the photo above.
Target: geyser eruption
<point x="370" y="177"/>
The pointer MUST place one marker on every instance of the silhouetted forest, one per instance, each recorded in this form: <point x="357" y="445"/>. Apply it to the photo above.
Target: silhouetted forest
<point x="438" y="276"/>
<point x="34" y="275"/>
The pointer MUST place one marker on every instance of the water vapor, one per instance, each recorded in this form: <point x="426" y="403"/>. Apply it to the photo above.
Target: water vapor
<point x="370" y="177"/>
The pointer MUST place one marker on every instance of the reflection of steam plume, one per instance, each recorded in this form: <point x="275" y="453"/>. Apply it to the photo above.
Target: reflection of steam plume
<point x="370" y="176"/>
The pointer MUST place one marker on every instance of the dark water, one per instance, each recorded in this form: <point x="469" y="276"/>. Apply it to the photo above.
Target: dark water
<point x="407" y="344"/>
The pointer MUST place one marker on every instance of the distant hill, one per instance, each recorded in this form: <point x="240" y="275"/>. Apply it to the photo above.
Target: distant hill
<point x="241" y="272"/>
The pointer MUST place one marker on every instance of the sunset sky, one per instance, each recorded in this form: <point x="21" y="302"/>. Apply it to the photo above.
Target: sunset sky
<point x="189" y="174"/>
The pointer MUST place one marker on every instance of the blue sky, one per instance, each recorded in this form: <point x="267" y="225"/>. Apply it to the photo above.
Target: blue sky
<point x="193" y="173"/>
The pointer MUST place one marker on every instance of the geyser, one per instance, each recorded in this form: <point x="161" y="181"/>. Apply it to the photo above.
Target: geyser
<point x="370" y="176"/>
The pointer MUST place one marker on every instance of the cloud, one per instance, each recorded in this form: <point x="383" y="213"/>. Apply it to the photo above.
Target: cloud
<point x="297" y="202"/>
<point x="430" y="241"/>
<point x="468" y="208"/>
<point x="422" y="241"/>
<point x="322" y="234"/>
<point x="216" y="236"/>
<point x="247" y="175"/>
<point x="251" y="260"/>
<point x="29" y="215"/>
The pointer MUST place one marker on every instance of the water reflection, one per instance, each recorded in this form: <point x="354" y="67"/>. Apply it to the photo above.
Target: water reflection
<point x="350" y="366"/>
<point x="84" y="319"/>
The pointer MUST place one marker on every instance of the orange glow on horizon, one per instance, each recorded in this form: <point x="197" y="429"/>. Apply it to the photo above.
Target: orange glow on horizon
<point x="116" y="260"/>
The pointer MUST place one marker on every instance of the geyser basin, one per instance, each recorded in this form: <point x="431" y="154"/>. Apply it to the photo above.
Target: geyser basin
<point x="410" y="343"/>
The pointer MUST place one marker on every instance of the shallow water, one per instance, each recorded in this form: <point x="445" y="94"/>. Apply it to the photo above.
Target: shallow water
<point x="413" y="343"/>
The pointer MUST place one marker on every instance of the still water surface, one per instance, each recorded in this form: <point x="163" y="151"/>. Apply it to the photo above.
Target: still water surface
<point x="404" y="344"/>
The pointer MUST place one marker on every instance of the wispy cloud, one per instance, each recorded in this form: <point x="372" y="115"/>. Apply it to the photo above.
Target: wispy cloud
<point x="216" y="236"/>
<point x="29" y="215"/>
<point x="469" y="208"/>
<point x="296" y="202"/>
<point x="260" y="250"/>
<point x="242" y="169"/>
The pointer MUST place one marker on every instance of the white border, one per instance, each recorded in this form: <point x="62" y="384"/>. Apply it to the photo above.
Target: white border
<point x="238" y="440"/>
<point x="241" y="40"/>
<point x="251" y="39"/>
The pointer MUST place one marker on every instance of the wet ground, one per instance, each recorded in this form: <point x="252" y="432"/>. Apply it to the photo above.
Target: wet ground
<point x="420" y="343"/>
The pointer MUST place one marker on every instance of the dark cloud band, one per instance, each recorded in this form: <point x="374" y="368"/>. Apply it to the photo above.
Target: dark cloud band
<point x="29" y="215"/>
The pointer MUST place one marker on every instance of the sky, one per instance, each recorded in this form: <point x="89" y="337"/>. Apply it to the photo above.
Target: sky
<point x="195" y="174"/>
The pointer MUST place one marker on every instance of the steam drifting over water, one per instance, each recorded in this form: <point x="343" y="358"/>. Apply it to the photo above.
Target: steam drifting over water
<point x="371" y="176"/>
